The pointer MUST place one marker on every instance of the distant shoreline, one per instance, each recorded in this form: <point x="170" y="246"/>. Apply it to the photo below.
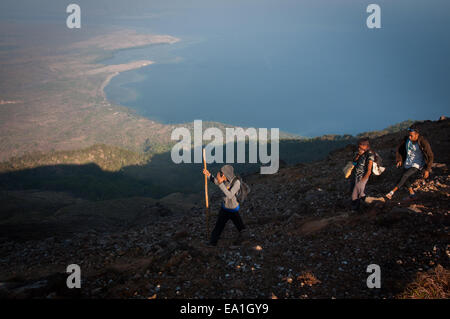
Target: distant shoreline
<point x="126" y="67"/>
<point x="132" y="65"/>
<point x="72" y="109"/>
<point x="111" y="76"/>
<point x="105" y="83"/>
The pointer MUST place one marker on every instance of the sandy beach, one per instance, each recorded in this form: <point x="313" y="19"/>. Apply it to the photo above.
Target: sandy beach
<point x="117" y="69"/>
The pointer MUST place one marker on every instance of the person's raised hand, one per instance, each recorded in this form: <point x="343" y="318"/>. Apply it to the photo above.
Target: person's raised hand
<point x="426" y="174"/>
<point x="206" y="172"/>
<point x="220" y="178"/>
<point x="399" y="163"/>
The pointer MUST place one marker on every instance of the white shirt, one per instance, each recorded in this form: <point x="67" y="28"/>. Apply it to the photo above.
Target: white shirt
<point x="414" y="155"/>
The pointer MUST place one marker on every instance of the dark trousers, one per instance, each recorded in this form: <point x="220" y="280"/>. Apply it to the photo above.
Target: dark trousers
<point x="408" y="177"/>
<point x="222" y="220"/>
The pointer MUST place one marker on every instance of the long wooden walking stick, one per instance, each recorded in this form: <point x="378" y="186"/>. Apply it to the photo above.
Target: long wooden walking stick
<point x="206" y="196"/>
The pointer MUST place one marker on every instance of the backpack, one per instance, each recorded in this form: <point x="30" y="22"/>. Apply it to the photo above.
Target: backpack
<point x="243" y="191"/>
<point x="377" y="168"/>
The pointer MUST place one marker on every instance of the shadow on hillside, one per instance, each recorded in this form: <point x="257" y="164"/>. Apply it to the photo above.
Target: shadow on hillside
<point x="29" y="198"/>
<point x="157" y="178"/>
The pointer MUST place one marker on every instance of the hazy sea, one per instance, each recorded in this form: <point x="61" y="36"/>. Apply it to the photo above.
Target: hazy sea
<point x="309" y="68"/>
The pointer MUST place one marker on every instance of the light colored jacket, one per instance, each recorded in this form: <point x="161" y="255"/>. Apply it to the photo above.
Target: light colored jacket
<point x="230" y="201"/>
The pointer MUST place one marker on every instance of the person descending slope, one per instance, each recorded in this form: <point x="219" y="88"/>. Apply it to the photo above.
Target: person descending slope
<point x="363" y="162"/>
<point x="230" y="185"/>
<point x="416" y="156"/>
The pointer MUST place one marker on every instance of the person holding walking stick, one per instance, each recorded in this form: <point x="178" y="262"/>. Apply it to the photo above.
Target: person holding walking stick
<point x="230" y="185"/>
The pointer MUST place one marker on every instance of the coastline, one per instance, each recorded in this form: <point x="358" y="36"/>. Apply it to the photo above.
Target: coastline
<point x="105" y="83"/>
<point x="74" y="110"/>
<point x="119" y="68"/>
<point x="109" y="43"/>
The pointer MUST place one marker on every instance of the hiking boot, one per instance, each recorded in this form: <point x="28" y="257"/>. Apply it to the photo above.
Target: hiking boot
<point x="356" y="204"/>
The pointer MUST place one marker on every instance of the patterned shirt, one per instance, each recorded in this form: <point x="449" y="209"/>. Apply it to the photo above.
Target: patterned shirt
<point x="362" y="163"/>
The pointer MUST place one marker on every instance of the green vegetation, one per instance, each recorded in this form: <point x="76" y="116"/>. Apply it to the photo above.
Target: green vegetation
<point x="106" y="157"/>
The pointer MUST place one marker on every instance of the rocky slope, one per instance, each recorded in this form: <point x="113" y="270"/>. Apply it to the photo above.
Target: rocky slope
<point x="302" y="240"/>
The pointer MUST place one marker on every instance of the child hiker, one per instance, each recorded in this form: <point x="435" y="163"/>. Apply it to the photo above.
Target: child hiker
<point x="229" y="184"/>
<point x="363" y="162"/>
